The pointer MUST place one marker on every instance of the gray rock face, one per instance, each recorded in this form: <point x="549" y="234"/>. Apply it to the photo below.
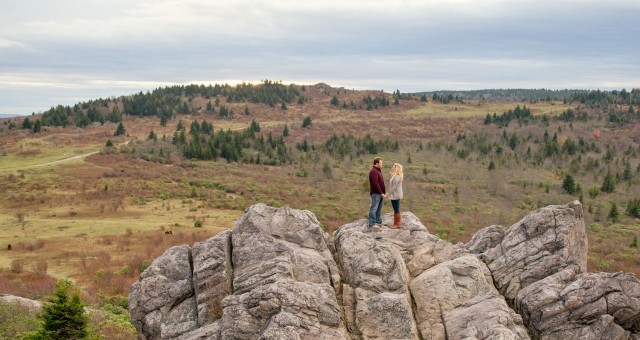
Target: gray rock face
<point x="540" y="267"/>
<point x="276" y="275"/>
<point x="165" y="290"/>
<point x="212" y="275"/>
<point x="272" y="277"/>
<point x="20" y="301"/>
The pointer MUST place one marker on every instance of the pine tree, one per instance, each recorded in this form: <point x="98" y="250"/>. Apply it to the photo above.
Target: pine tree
<point x="26" y="124"/>
<point x="608" y="184"/>
<point x="285" y="133"/>
<point x="487" y="119"/>
<point x="626" y="175"/>
<point x="120" y="130"/>
<point x="63" y="317"/>
<point x="492" y="165"/>
<point x="513" y="141"/>
<point x="152" y="136"/>
<point x="613" y="215"/>
<point x="306" y="122"/>
<point x="37" y="126"/>
<point x="569" y="185"/>
<point x="109" y="143"/>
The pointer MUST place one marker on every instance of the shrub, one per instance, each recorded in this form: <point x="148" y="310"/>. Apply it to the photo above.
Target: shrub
<point x="16" y="320"/>
<point x="197" y="224"/>
<point x="40" y="268"/>
<point x="17" y="266"/>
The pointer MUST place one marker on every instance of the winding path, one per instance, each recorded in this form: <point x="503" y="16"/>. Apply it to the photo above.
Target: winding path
<point x="50" y="163"/>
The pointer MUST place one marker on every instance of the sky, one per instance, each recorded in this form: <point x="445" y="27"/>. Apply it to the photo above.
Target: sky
<point x="61" y="52"/>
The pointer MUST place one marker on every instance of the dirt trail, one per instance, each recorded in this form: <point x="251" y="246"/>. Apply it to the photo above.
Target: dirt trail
<point x="49" y="163"/>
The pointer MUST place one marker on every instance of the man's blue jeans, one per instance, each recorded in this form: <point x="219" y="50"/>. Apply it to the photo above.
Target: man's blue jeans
<point x="375" y="212"/>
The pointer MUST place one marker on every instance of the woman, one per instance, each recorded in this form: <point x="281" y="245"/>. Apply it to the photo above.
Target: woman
<point x="395" y="193"/>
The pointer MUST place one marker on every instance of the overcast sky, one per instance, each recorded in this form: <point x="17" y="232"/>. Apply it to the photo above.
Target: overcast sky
<point x="62" y="52"/>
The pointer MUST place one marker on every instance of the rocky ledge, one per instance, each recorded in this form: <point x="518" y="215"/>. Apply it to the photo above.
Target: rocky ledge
<point x="277" y="275"/>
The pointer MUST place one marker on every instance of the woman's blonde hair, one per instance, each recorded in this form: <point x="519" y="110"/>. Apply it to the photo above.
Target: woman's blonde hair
<point x="396" y="170"/>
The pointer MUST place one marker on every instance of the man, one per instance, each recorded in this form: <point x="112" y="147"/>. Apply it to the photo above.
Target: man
<point x="377" y="192"/>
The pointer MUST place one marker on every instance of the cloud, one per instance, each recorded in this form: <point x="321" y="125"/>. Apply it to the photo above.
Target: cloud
<point x="119" y="47"/>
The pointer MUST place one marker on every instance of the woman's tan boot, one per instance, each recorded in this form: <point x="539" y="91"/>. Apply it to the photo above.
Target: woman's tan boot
<point x="396" y="221"/>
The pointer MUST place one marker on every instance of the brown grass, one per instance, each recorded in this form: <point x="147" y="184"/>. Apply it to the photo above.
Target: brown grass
<point x="101" y="220"/>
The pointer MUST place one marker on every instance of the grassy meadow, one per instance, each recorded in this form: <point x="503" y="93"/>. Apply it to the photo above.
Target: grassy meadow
<point x="100" y="219"/>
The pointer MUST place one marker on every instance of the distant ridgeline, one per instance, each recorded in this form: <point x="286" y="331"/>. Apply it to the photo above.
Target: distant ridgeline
<point x="582" y="96"/>
<point x="166" y="102"/>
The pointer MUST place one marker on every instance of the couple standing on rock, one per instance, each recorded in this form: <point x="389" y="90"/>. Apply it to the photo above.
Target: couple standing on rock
<point x="378" y="193"/>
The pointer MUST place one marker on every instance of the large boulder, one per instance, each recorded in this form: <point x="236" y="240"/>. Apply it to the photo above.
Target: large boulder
<point x="32" y="305"/>
<point x="271" y="277"/>
<point x="284" y="279"/>
<point x="539" y="265"/>
<point x="400" y="284"/>
<point x="541" y="244"/>
<point x="162" y="303"/>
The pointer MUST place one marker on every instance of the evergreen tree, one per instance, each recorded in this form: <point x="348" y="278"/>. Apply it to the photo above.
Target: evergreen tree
<point x="487" y="119"/>
<point x="633" y="208"/>
<point x="285" y="132"/>
<point x="626" y="175"/>
<point x="608" y="184"/>
<point x="37" y="126"/>
<point x="513" y="141"/>
<point x="492" y="165"/>
<point x="306" y="122"/>
<point x="120" y="130"/>
<point x="63" y="317"/>
<point x="195" y="127"/>
<point x="26" y="124"/>
<point x="109" y="143"/>
<point x="569" y="185"/>
<point x="254" y="127"/>
<point x="613" y="215"/>
<point x="283" y="106"/>
<point x="335" y="101"/>
<point x="116" y="115"/>
<point x="163" y="120"/>
<point x="152" y="136"/>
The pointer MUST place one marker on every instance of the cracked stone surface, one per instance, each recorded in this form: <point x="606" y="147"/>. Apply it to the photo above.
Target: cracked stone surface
<point x="277" y="275"/>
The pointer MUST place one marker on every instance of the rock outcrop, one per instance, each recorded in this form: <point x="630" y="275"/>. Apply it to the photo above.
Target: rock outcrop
<point x="277" y="275"/>
<point x="33" y="305"/>
<point x="539" y="265"/>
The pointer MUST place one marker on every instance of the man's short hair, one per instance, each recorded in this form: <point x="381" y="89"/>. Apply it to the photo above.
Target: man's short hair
<point x="377" y="160"/>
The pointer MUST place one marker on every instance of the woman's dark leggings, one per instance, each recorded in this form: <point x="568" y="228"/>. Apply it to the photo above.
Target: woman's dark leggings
<point x="396" y="206"/>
